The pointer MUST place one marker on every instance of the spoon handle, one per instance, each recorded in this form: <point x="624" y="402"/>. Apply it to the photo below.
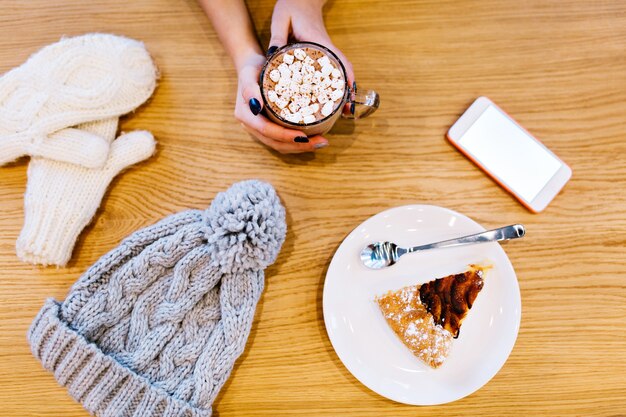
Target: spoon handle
<point x="513" y="231"/>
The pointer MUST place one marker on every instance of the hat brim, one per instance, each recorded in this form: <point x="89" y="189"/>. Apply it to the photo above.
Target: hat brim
<point x="101" y="384"/>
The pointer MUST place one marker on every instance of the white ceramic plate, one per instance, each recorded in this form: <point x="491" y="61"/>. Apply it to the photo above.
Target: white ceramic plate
<point x="369" y="348"/>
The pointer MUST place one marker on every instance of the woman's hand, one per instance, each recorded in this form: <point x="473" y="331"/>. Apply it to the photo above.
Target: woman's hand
<point x="303" y="19"/>
<point x="232" y="23"/>
<point x="248" y="111"/>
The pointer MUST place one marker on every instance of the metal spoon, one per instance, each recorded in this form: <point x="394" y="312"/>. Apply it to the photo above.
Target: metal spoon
<point x="383" y="254"/>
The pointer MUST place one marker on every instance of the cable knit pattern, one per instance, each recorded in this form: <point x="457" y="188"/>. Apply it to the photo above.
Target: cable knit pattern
<point x="76" y="80"/>
<point x="155" y="326"/>
<point x="62" y="198"/>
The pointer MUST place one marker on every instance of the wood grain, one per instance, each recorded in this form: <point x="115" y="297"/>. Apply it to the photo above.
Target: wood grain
<point x="557" y="66"/>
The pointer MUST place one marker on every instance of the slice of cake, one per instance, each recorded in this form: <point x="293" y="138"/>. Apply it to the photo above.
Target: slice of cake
<point x="427" y="317"/>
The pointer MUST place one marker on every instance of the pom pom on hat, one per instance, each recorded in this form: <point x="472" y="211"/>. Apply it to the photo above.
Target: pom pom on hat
<point x="246" y="226"/>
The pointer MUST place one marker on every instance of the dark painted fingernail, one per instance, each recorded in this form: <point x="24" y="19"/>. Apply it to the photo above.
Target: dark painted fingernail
<point x="271" y="50"/>
<point x="353" y="104"/>
<point x="301" y="139"/>
<point x="255" y="106"/>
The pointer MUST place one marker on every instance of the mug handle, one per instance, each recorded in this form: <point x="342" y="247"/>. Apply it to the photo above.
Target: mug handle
<point x="360" y="105"/>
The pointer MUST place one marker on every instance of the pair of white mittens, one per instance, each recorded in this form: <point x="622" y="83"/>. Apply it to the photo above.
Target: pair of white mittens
<point x="61" y="107"/>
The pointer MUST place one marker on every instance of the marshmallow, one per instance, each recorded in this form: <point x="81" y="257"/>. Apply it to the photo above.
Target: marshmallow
<point x="295" y="98"/>
<point x="296" y="66"/>
<point x="284" y="71"/>
<point x="337" y="84"/>
<point x="315" y="107"/>
<point x="323" y="61"/>
<point x="272" y="96"/>
<point x="284" y="80"/>
<point x="281" y="103"/>
<point x="299" y="54"/>
<point x="296" y="77"/>
<point x="308" y="60"/>
<point x="288" y="58"/>
<point x="325" y="82"/>
<point x="328" y="108"/>
<point x="327" y="69"/>
<point x="284" y="113"/>
<point x="336" y="95"/>
<point x="307" y="111"/>
<point x="322" y="98"/>
<point x="305" y="89"/>
<point x="294" y="107"/>
<point x="275" y="75"/>
<point x="335" y="73"/>
<point x="286" y="93"/>
<point x="308" y="119"/>
<point x="304" y="101"/>
<point x="294" y="118"/>
<point x="281" y="90"/>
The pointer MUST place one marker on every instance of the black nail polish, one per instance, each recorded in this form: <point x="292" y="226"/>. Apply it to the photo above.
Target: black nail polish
<point x="301" y="139"/>
<point x="255" y="106"/>
<point x="353" y="104"/>
<point x="271" y="50"/>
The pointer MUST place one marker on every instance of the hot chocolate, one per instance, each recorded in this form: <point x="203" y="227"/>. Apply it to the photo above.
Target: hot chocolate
<point x="303" y="85"/>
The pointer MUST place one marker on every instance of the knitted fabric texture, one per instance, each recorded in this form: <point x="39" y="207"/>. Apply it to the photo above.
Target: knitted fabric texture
<point x="62" y="198"/>
<point x="154" y="327"/>
<point x="76" y="80"/>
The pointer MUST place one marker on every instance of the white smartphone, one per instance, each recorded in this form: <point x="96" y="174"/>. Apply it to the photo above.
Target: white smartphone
<point x="509" y="154"/>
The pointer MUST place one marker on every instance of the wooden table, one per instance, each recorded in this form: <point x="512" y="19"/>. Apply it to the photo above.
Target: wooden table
<point x="559" y="67"/>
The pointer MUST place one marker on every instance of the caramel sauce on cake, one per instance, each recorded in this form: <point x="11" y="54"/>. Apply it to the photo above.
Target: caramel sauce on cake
<point x="449" y="299"/>
<point x="428" y="317"/>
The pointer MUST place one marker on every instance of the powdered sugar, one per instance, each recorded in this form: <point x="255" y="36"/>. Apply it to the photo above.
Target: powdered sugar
<point x="414" y="325"/>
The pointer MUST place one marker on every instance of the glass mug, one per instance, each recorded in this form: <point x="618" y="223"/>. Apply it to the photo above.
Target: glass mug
<point x="361" y="104"/>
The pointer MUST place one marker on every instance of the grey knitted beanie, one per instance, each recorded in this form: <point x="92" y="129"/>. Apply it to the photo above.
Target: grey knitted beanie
<point x="154" y="327"/>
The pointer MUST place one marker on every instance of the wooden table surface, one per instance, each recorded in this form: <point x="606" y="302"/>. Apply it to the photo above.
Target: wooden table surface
<point x="557" y="66"/>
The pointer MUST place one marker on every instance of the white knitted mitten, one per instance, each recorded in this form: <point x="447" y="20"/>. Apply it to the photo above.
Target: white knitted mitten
<point x="61" y="198"/>
<point x="76" y="80"/>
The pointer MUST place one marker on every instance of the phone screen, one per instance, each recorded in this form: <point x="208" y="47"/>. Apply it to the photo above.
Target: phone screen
<point x="509" y="153"/>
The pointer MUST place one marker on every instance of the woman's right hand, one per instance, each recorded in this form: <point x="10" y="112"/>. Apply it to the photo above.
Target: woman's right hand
<point x="248" y="108"/>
